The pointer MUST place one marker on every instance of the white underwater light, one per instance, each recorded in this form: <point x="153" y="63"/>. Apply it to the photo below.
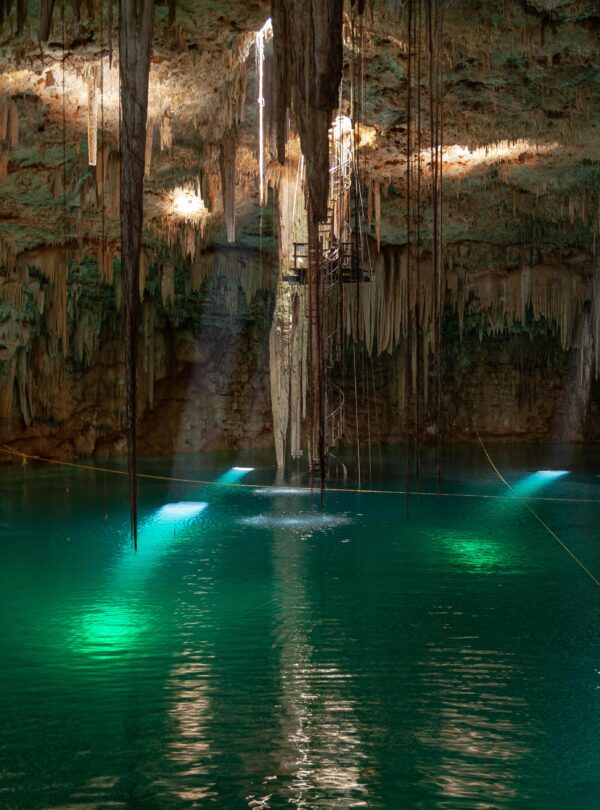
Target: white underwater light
<point x="234" y="475"/>
<point x="181" y="510"/>
<point x="536" y="481"/>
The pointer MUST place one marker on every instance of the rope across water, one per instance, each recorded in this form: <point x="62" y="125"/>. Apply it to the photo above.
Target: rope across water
<point x="4" y="448"/>
<point x="540" y="520"/>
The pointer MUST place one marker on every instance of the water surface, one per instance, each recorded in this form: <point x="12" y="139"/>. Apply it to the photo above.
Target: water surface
<point x="259" y="651"/>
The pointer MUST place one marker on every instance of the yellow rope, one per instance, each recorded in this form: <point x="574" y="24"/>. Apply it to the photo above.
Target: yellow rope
<point x="537" y="517"/>
<point x="418" y="493"/>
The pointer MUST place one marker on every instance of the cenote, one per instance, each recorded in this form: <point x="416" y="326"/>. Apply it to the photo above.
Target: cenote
<point x="261" y="648"/>
<point x="299" y="404"/>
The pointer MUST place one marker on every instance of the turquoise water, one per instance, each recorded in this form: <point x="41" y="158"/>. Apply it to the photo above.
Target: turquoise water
<point x="259" y="652"/>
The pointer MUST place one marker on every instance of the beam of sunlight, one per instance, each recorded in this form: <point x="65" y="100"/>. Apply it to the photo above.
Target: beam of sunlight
<point x="262" y="36"/>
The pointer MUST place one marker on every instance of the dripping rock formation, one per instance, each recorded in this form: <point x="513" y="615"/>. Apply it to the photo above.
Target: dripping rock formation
<point x="221" y="331"/>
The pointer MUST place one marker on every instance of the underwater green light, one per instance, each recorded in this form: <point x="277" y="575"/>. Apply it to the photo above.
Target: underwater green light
<point x="478" y="552"/>
<point x="474" y="551"/>
<point x="109" y="629"/>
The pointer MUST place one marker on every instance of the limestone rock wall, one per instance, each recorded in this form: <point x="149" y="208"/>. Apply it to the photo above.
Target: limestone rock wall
<point x="211" y="391"/>
<point x="511" y="387"/>
<point x="203" y="370"/>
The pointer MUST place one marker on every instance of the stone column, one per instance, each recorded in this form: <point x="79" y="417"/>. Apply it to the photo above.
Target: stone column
<point x="287" y="339"/>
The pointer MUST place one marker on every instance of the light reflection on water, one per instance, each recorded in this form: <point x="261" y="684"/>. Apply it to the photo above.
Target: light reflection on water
<point x="477" y="730"/>
<point x="475" y="551"/>
<point x="274" y="492"/>
<point x="318" y="718"/>
<point x="438" y="661"/>
<point x="303" y="520"/>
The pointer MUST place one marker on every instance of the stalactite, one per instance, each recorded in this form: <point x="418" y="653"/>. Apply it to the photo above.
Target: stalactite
<point x="22" y="12"/>
<point x="261" y="37"/>
<point x="7" y="386"/>
<point x="118" y="292"/>
<point x="595" y="318"/>
<point x="11" y="292"/>
<point x="57" y="182"/>
<point x="44" y="375"/>
<point x="135" y="46"/>
<point x="383" y="320"/>
<point x="112" y="189"/>
<point x="212" y="183"/>
<point x="92" y="113"/>
<point x="23" y="389"/>
<point x="100" y="173"/>
<point x="46" y="11"/>
<point x="586" y="362"/>
<point x="53" y="265"/>
<point x="4" y="155"/>
<point x="227" y="165"/>
<point x="4" y="107"/>
<point x="501" y="299"/>
<point x="235" y="102"/>
<point x="186" y="236"/>
<point x="428" y="352"/>
<point x="288" y="334"/>
<point x="279" y="371"/>
<point x="105" y="263"/>
<point x="165" y="129"/>
<point x="149" y="147"/>
<point x="9" y="121"/>
<point x="85" y="337"/>
<point x="16" y="278"/>
<point x="13" y="123"/>
<point x="8" y="252"/>
<point x="308" y="55"/>
<point x="377" y="206"/>
<point x="148" y="315"/>
<point x="228" y="271"/>
<point x="167" y="284"/>
<point x="144" y="267"/>
<point x="109" y="33"/>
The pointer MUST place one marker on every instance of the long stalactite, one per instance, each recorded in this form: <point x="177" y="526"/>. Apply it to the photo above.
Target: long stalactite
<point x="135" y="46"/>
<point x="46" y="11"/>
<point x="308" y="56"/>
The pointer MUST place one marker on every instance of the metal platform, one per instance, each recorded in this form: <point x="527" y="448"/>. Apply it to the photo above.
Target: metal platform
<point x="337" y="260"/>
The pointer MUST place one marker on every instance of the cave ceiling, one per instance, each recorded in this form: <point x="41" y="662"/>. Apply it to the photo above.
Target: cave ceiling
<point x="521" y="124"/>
